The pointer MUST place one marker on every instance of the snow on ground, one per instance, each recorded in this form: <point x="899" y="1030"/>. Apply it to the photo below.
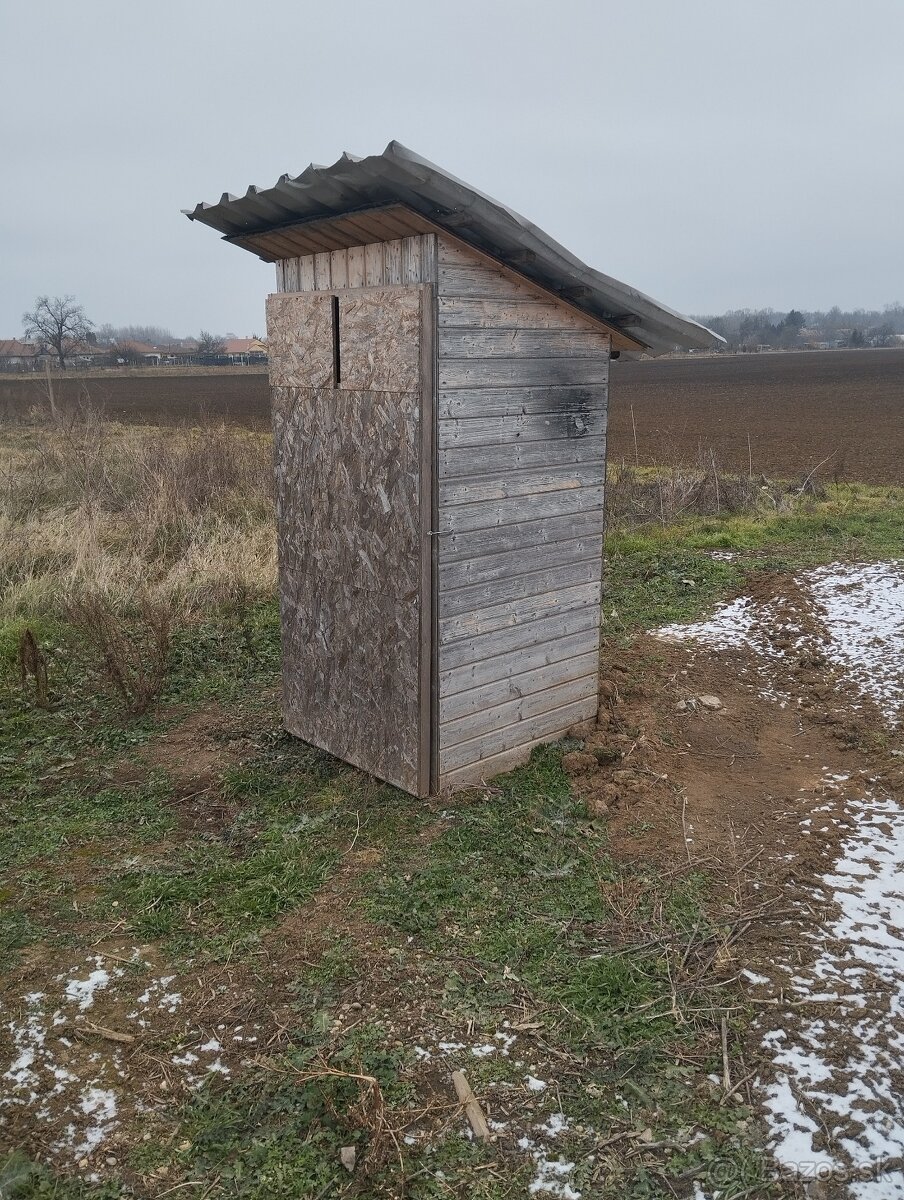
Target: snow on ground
<point x="64" y="1066"/>
<point x="860" y="607"/>
<point x="835" y="1102"/>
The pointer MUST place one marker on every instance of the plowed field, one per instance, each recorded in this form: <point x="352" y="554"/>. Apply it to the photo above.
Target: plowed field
<point x="782" y="414"/>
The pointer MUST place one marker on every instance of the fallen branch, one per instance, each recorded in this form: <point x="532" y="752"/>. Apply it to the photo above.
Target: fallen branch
<point x="472" y="1108"/>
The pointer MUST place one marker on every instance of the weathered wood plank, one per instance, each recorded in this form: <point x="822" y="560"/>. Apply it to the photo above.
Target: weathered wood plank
<point x="497" y="568"/>
<point x="524" y="343"/>
<point x="455" y="601"/>
<point x="306" y="274"/>
<point x="517" y="456"/>
<point x="478" y="281"/>
<point x="545" y="726"/>
<point x="525" y="683"/>
<point x="531" y="703"/>
<point x="521" y="372"/>
<point x="411" y="260"/>
<point x="524" y="535"/>
<point x="428" y="258"/>
<point x="339" y="269"/>
<point x="374" y="274"/>
<point x="522" y="649"/>
<point x="323" y="279"/>
<point x="534" y="482"/>
<point x="538" y="427"/>
<point x="521" y="401"/>
<point x="475" y="312"/>
<point x="476" y="774"/>
<point x="521" y="611"/>
<point x="356" y="273"/>
<point x="393" y="262"/>
<point x="492" y="514"/>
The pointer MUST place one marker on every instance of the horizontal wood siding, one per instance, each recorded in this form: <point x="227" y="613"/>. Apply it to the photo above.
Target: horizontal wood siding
<point x="521" y="424"/>
<point x="377" y="264"/>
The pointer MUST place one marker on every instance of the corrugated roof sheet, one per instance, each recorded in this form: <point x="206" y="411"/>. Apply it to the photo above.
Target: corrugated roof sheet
<point x="400" y="176"/>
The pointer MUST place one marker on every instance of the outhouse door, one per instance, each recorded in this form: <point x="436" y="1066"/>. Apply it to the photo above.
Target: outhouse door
<point x="351" y="376"/>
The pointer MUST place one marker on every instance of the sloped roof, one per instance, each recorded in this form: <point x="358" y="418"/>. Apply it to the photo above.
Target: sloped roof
<point x="398" y="176"/>
<point x="244" y="345"/>
<point x="13" y="348"/>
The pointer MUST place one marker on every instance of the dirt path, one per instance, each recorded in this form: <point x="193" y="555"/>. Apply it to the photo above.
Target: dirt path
<point x="797" y="785"/>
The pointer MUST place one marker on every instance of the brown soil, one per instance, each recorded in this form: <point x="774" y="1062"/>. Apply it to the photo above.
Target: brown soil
<point x="846" y="406"/>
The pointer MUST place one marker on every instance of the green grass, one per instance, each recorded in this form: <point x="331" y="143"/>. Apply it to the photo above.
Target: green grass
<point x="657" y="574"/>
<point x="501" y="904"/>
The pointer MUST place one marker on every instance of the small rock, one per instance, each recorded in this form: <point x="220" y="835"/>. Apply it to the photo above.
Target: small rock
<point x="578" y="762"/>
<point x="347" y="1156"/>
<point x="608" y="690"/>
<point x="597" y="806"/>
<point x="713" y="703"/>
<point x="110" y="1160"/>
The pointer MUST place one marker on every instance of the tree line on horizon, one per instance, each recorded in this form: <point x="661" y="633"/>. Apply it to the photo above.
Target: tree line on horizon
<point x="752" y="328"/>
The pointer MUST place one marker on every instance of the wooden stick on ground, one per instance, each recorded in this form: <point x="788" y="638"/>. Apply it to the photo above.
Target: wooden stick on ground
<point x="726" y="1073"/>
<point x="471" y="1106"/>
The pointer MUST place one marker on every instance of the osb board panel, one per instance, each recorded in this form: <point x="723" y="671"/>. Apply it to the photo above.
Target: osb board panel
<point x="300" y="340"/>
<point x="379" y="343"/>
<point x="348" y="509"/>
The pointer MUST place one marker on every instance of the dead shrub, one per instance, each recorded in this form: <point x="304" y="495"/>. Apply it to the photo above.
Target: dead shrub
<point x="134" y="648"/>
<point x="642" y="496"/>
<point x="33" y="665"/>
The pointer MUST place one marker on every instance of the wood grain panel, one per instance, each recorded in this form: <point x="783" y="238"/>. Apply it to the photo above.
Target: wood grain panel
<point x="535" y="701"/>
<point x="521" y="462"/>
<point x="473" y="489"/>
<point x="524" y="343"/>
<point x="535" y="427"/>
<point x="520" y="372"/>
<point x="546" y="726"/>
<point x="492" y="514"/>
<point x="459" y="462"/>
<point x="497" y="568"/>
<point x="516" y="587"/>
<point x="520" y="401"/>
<point x="521" y="611"/>
<point x="519" y="313"/>
<point x="514" y="687"/>
<point x="522" y="649"/>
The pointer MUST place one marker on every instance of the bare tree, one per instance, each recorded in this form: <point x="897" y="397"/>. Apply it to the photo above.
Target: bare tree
<point x="210" y="345"/>
<point x="59" y="323"/>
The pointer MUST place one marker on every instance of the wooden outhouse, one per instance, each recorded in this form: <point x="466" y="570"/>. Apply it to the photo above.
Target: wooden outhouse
<point x="439" y="371"/>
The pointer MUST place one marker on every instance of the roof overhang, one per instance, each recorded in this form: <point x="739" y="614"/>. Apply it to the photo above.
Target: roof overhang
<point x="397" y="194"/>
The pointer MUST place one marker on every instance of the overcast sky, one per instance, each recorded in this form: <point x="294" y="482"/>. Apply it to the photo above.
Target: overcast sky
<point x="713" y="153"/>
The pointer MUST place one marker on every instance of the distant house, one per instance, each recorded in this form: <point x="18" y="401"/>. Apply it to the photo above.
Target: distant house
<point x="243" y="351"/>
<point x="19" y="356"/>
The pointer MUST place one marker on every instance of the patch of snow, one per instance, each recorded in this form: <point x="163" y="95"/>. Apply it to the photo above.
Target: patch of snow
<point x="82" y="990"/>
<point x="833" y="1072"/>
<point x="536" y="1085"/>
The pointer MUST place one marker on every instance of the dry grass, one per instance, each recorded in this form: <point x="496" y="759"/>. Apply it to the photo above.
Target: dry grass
<point x="663" y="495"/>
<point x="180" y="518"/>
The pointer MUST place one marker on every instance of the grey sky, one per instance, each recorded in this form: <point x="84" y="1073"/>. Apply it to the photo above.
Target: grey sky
<point x="711" y="152"/>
